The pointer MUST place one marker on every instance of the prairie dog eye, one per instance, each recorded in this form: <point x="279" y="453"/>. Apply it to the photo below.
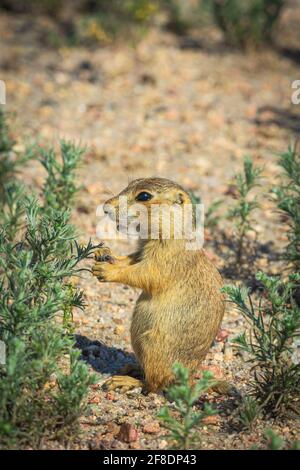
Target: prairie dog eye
<point x="143" y="196"/>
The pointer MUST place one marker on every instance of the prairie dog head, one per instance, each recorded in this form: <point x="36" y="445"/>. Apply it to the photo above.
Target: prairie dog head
<point x="151" y="208"/>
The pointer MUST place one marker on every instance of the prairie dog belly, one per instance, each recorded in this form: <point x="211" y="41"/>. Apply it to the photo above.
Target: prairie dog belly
<point x="182" y="332"/>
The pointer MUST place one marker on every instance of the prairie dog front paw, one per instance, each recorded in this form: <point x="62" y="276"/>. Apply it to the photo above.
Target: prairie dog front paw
<point x="104" y="255"/>
<point x="103" y="271"/>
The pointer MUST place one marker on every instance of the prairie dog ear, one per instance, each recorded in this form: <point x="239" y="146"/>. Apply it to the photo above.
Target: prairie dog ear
<point x="180" y="198"/>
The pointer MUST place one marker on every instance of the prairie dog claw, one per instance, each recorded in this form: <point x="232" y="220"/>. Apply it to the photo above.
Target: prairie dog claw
<point x="123" y="383"/>
<point x="103" y="254"/>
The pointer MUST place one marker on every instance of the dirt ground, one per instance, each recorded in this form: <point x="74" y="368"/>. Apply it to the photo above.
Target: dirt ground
<point x="184" y="108"/>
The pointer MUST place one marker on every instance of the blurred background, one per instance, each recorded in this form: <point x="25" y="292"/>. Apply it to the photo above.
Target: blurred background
<point x="175" y="88"/>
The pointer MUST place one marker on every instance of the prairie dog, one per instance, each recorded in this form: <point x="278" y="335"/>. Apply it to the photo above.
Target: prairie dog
<point x="179" y="311"/>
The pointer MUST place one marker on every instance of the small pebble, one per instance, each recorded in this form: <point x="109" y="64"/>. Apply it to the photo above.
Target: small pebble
<point x="127" y="433"/>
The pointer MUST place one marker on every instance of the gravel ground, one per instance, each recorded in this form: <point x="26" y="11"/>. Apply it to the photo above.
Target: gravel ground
<point x="186" y="109"/>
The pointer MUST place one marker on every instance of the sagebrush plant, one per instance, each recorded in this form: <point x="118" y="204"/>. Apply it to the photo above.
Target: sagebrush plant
<point x="287" y="196"/>
<point x="195" y="200"/>
<point x="107" y="21"/>
<point x="246" y="23"/>
<point x="178" y="15"/>
<point x="34" y="292"/>
<point x="12" y="210"/>
<point x="10" y="161"/>
<point x="6" y="142"/>
<point x="49" y="7"/>
<point x="271" y="341"/>
<point x="43" y="384"/>
<point x="241" y="213"/>
<point x="60" y="186"/>
<point x="249" y="411"/>
<point x="182" y="426"/>
<point x="276" y="442"/>
<point x="211" y="216"/>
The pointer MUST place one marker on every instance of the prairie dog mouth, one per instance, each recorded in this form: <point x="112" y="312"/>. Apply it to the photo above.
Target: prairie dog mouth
<point x="128" y="227"/>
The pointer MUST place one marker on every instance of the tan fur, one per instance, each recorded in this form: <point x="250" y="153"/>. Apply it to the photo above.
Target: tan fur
<point x="180" y="309"/>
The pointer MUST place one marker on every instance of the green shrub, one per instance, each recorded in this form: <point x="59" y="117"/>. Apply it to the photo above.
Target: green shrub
<point x="178" y="15"/>
<point x="288" y="201"/>
<point x="241" y="211"/>
<point x="60" y="186"/>
<point x="276" y="442"/>
<point x="34" y="291"/>
<point x="105" y="21"/>
<point x="249" y="411"/>
<point x="271" y="341"/>
<point x="50" y="7"/>
<point x="212" y="218"/>
<point x="246" y="23"/>
<point x="6" y="142"/>
<point x="11" y="162"/>
<point x="182" y="434"/>
<point x="12" y="210"/>
<point x="43" y="384"/>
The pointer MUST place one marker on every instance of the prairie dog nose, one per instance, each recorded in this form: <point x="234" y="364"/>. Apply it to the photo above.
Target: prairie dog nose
<point x="108" y="207"/>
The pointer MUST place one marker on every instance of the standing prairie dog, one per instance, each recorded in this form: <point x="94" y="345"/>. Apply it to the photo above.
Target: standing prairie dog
<point x="179" y="311"/>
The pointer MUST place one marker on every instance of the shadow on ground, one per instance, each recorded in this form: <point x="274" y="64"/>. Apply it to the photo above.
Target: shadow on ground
<point x="284" y="118"/>
<point x="189" y="43"/>
<point x="291" y="53"/>
<point x="225" y="246"/>
<point x="104" y="359"/>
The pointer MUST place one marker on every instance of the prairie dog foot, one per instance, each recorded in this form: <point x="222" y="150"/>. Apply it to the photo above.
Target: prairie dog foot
<point x="224" y="388"/>
<point x="132" y="369"/>
<point x="123" y="383"/>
